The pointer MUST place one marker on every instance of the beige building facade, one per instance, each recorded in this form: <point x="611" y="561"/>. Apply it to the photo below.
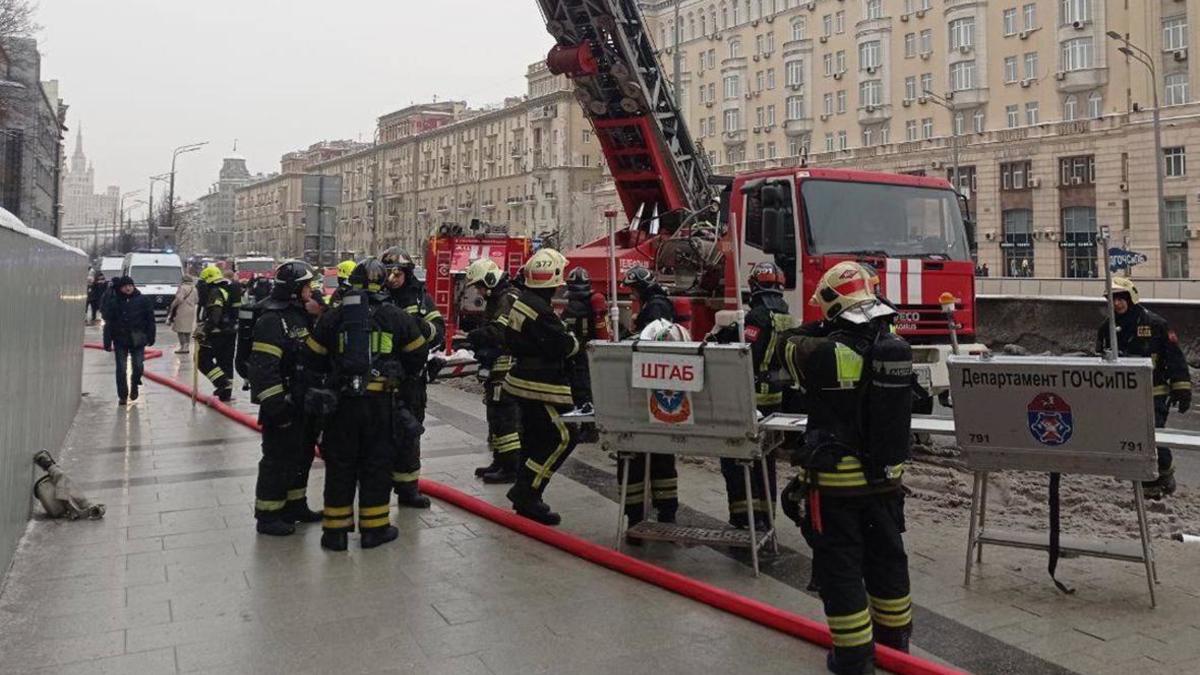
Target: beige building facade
<point x="1052" y="120"/>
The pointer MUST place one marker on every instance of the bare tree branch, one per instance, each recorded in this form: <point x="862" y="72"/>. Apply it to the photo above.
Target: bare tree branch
<point x="17" y="18"/>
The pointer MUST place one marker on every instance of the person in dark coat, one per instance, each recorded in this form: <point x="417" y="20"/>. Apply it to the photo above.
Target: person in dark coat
<point x="128" y="329"/>
<point x="96" y="292"/>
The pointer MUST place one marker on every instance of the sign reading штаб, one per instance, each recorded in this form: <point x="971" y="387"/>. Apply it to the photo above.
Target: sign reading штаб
<point x="670" y="372"/>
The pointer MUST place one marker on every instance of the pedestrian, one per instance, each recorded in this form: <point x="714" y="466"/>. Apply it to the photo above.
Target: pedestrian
<point x="539" y="380"/>
<point x="128" y="329"/>
<point x="654" y="305"/>
<point x="408" y="293"/>
<point x="495" y="360"/>
<point x="367" y="351"/>
<point x="585" y="316"/>
<point x="1142" y="333"/>
<point x="181" y="316"/>
<point x="218" y="331"/>
<point x="96" y="291"/>
<point x="765" y="324"/>
<point x="279" y="386"/>
<point x="857" y="380"/>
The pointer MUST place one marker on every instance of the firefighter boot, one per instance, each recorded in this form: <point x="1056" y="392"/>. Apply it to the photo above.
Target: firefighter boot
<point x="481" y="470"/>
<point x="896" y="638"/>
<point x="379" y="536"/>
<point x="224" y="394"/>
<point x="407" y="494"/>
<point x="504" y="471"/>
<point x="298" y="512"/>
<point x="866" y="667"/>
<point x="1161" y="487"/>
<point x="528" y="503"/>
<point x="334" y="541"/>
<point x="275" y="528"/>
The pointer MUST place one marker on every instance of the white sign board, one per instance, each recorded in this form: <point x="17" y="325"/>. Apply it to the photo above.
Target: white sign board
<point x="1055" y="414"/>
<point x="670" y="372"/>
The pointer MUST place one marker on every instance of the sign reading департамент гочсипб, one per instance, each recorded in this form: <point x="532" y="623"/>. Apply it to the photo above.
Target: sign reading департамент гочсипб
<point x="1058" y="414"/>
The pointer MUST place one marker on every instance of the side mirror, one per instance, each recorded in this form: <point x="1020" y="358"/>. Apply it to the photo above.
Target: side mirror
<point x="964" y="207"/>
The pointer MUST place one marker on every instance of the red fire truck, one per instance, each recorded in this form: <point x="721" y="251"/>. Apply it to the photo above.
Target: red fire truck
<point x="252" y="265"/>
<point x="684" y="221"/>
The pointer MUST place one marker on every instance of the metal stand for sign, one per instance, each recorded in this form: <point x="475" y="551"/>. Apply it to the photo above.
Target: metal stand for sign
<point x="1127" y="552"/>
<point x="670" y="532"/>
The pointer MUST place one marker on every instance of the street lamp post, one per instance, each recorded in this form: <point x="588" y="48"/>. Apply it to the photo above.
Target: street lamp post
<point x="120" y="213"/>
<point x="945" y="103"/>
<point x="171" y="191"/>
<point x="1143" y="57"/>
<point x="150" y="226"/>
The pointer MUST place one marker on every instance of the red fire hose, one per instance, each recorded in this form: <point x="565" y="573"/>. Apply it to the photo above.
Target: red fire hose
<point x="726" y="601"/>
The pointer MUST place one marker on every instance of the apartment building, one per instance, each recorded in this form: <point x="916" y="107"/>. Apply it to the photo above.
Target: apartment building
<point x="1052" y="122"/>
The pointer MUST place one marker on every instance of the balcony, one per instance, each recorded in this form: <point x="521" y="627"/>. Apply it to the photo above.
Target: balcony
<point x="798" y="127"/>
<point x="734" y="137"/>
<point x="968" y="98"/>
<point x="1081" y="80"/>
<point x="874" y="114"/>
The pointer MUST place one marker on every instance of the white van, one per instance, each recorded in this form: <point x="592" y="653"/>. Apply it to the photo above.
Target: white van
<point x="111" y="265"/>
<point x="157" y="275"/>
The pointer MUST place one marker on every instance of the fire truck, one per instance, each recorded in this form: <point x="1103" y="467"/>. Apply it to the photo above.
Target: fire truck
<point x="684" y="221"/>
<point x="252" y="265"/>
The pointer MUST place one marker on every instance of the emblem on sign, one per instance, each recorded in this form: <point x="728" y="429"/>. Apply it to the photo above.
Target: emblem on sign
<point x="670" y="407"/>
<point x="1050" y="419"/>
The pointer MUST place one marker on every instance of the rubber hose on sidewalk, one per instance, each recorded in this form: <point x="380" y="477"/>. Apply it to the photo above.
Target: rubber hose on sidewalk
<point x="759" y="612"/>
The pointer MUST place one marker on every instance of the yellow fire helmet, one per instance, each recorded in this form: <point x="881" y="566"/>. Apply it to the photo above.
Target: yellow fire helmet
<point x="545" y="269"/>
<point x="1125" y="285"/>
<point x="485" y="272"/>
<point x="211" y="274"/>
<point x="344" y="269"/>
<point x="847" y="292"/>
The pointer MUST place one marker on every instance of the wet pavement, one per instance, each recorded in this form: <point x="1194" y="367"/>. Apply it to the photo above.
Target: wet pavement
<point x="175" y="580"/>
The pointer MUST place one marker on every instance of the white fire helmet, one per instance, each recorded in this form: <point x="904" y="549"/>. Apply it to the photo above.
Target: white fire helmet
<point x="663" y="330"/>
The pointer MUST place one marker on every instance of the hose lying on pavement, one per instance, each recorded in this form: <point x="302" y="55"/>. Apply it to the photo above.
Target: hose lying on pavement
<point x="748" y="608"/>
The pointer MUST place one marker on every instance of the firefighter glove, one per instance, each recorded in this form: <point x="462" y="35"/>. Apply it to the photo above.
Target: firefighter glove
<point x="790" y="499"/>
<point x="1182" y="398"/>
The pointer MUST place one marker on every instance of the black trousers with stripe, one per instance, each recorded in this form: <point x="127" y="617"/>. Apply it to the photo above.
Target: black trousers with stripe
<point x="546" y="442"/>
<point x="735" y="485"/>
<point x="287" y="457"/>
<point x="504" y="421"/>
<point x="358" y="451"/>
<point x="664" y="486"/>
<point x="406" y="455"/>
<point x="860" y="564"/>
<point x="215" y="359"/>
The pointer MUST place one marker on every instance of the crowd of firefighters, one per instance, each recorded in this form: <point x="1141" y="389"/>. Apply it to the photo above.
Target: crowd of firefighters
<point x="350" y="372"/>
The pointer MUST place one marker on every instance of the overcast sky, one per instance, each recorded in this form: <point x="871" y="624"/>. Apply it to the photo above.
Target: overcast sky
<point x="145" y="76"/>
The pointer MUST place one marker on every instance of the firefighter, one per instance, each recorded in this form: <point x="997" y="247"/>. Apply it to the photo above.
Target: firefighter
<point x="278" y="384"/>
<point x="654" y="305"/>
<point x="542" y="346"/>
<point x="368" y="351"/>
<point x="344" y="269"/>
<point x="585" y="316"/>
<point x="1141" y="332"/>
<point x="766" y="322"/>
<point x="857" y="380"/>
<point x="408" y="293"/>
<point x="218" y="331"/>
<point x="495" y="360"/>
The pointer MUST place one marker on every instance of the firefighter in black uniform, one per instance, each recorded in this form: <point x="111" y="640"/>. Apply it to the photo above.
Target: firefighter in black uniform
<point x="585" y="316"/>
<point x="542" y="346"/>
<point x="653" y="305"/>
<point x="368" y="352"/>
<point x="278" y="384"/>
<point x="1141" y="332"/>
<point x="218" y="331"/>
<point x="495" y="360"/>
<point x="766" y="323"/>
<point x="858" y="384"/>
<point x="408" y="293"/>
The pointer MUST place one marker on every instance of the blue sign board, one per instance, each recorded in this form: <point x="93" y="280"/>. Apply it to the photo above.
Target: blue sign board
<point x="1119" y="258"/>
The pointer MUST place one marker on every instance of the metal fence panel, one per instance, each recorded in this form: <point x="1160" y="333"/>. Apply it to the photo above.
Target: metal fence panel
<point x="42" y="295"/>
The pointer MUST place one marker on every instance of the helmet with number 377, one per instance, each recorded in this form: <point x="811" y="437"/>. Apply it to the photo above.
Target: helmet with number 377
<point x="545" y="269"/>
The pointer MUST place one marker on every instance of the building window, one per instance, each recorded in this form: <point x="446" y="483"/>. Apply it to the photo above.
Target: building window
<point x="827" y="25"/>
<point x="799" y="28"/>
<point x="926" y="83"/>
<point x="1031" y="65"/>
<point x="795" y="107"/>
<point x="840" y="61"/>
<point x="1016" y="175"/>
<point x="1079" y="242"/>
<point x="874" y="9"/>
<point x="1175" y="33"/>
<point x="1030" y="13"/>
<point x="733" y="86"/>
<point x="1175" y="214"/>
<point x="841" y="101"/>
<point x="1076" y="11"/>
<point x="1070" y="107"/>
<point x="1077" y="54"/>
<point x="829" y="142"/>
<point x="868" y="55"/>
<point x="796" y="148"/>
<point x="870" y="93"/>
<point x="839" y="22"/>
<point x="962" y="76"/>
<point x="910" y="88"/>
<point x="733" y="120"/>
<point x="827" y="60"/>
<point x="771" y="152"/>
<point x="1013" y="115"/>
<point x="910" y="45"/>
<point x="771" y="114"/>
<point x="770" y="79"/>
<point x="1177" y="89"/>
<point x="1095" y="105"/>
<point x="962" y="33"/>
<point x="960" y="123"/>
<point x="910" y="130"/>
<point x="1010" y="69"/>
<point x="978" y="118"/>
<point x="1176" y="161"/>
<point x="868" y="135"/>
<point x="927" y="41"/>
<point x="1010" y="21"/>
<point x="828" y="104"/>
<point x="927" y="128"/>
<point x="1017" y="242"/>
<point x="1075" y="171"/>
<point x="735" y="49"/>
<point x="843" y="140"/>
<point x="795" y="74"/>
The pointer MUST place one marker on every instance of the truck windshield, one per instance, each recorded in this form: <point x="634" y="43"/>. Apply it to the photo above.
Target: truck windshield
<point x="144" y="275"/>
<point x="256" y="266"/>
<point x="894" y="220"/>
